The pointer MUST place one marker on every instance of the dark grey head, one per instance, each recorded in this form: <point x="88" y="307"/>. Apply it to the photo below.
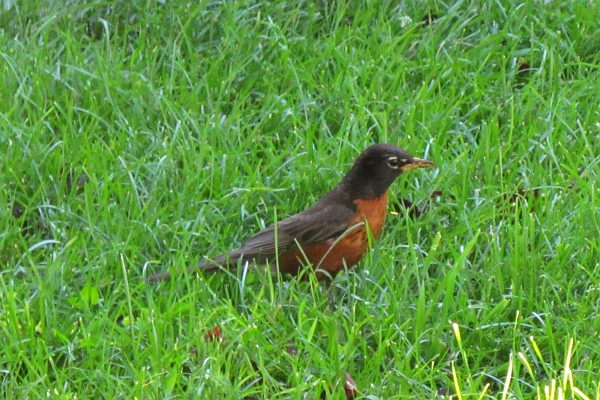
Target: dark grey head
<point x="377" y="168"/>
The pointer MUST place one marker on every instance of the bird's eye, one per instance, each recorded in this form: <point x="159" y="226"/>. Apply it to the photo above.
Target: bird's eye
<point x="393" y="162"/>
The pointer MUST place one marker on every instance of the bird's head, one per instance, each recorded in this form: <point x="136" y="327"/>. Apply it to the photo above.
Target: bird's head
<point x="378" y="167"/>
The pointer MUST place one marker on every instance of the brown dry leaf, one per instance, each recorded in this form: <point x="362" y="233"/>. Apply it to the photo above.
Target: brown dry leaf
<point x="214" y="334"/>
<point x="350" y="387"/>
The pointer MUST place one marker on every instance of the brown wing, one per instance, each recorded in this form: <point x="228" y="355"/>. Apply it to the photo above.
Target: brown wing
<point x="324" y="221"/>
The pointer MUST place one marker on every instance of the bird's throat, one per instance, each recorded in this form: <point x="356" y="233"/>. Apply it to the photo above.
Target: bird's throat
<point x="373" y="212"/>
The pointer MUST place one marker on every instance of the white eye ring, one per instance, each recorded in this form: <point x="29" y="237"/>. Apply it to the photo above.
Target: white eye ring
<point x="393" y="162"/>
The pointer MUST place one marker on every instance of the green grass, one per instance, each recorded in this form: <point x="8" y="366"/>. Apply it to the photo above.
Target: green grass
<point x="197" y="123"/>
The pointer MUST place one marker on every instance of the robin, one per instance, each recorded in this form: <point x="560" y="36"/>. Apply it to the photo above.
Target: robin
<point x="333" y="234"/>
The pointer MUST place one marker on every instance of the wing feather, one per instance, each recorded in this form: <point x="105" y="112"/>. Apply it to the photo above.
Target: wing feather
<point x="320" y="223"/>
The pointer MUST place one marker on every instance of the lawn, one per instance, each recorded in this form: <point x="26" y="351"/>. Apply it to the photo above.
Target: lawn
<point x="143" y="136"/>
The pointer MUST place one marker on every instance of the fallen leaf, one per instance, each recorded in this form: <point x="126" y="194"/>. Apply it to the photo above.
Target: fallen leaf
<point x="79" y="183"/>
<point x="17" y="210"/>
<point x="214" y="334"/>
<point x="350" y="387"/>
<point x="291" y="349"/>
<point x="445" y="393"/>
<point x="523" y="68"/>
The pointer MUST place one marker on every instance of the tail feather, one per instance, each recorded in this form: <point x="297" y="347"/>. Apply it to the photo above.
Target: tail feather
<point x="220" y="263"/>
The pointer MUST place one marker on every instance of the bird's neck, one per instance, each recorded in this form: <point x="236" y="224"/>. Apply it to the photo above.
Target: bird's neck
<point x="362" y="187"/>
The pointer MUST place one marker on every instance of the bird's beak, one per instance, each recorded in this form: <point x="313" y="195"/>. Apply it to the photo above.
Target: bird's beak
<point x="418" y="163"/>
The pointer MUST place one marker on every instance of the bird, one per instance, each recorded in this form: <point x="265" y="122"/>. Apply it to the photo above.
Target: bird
<point x="333" y="234"/>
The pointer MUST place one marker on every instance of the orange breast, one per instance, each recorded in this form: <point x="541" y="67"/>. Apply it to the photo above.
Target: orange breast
<point x="334" y="255"/>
